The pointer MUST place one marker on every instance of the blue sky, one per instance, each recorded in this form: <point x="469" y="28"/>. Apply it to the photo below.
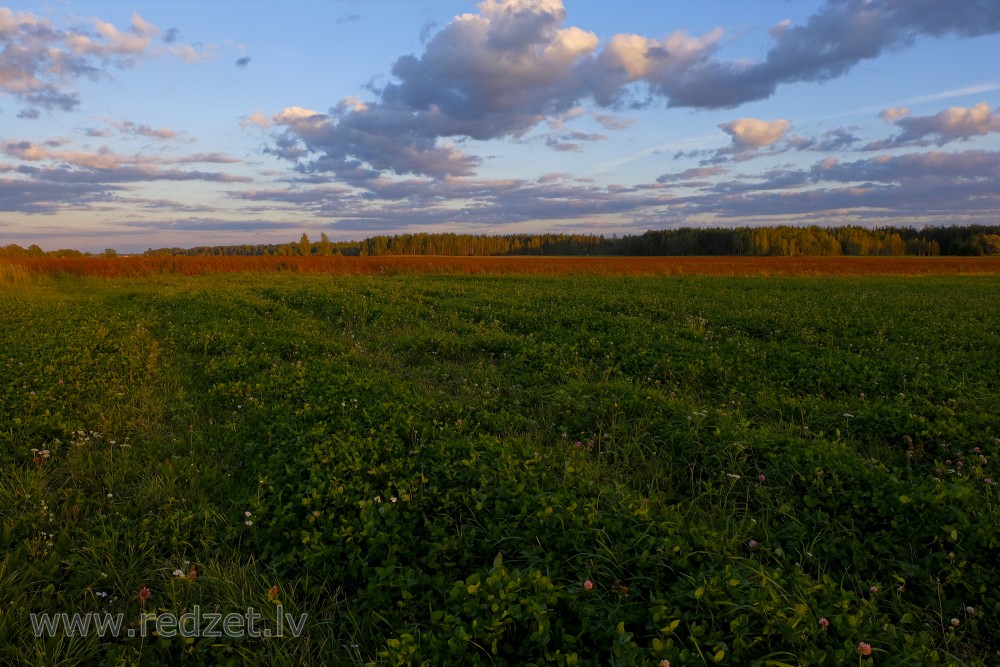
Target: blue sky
<point x="135" y="124"/>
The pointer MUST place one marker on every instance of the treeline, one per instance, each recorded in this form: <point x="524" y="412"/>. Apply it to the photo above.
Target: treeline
<point x="969" y="240"/>
<point x="751" y="241"/>
<point x="16" y="251"/>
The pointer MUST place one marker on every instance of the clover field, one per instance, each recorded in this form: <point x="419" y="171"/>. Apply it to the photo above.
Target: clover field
<point x="493" y="470"/>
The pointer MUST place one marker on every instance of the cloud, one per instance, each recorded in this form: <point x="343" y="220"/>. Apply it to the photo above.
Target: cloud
<point x="892" y="114"/>
<point x="390" y="203"/>
<point x="572" y="142"/>
<point x="348" y="18"/>
<point x="138" y="129"/>
<point x="752" y="133"/>
<point x="426" y="30"/>
<point x="212" y="225"/>
<point x="45" y="197"/>
<point x="40" y="62"/>
<point x="162" y="205"/>
<point x="52" y="178"/>
<point x="953" y="124"/>
<point x="256" y="119"/>
<point x="686" y="72"/>
<point x="935" y="187"/>
<point x="837" y="139"/>
<point x="106" y="41"/>
<point x="611" y="122"/>
<point x="30" y="114"/>
<point x="243" y="62"/>
<point x="496" y="73"/>
<point x="914" y="168"/>
<point x="513" y="64"/>
<point x="693" y="173"/>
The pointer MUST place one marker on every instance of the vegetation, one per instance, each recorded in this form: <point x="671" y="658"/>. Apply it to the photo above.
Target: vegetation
<point x="753" y="241"/>
<point x="136" y="267"/>
<point x="505" y="469"/>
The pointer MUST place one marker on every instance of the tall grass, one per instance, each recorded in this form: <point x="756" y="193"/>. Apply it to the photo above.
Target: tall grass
<point x="11" y="274"/>
<point x="138" y="267"/>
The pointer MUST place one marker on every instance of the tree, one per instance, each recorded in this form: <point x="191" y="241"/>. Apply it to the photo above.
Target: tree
<point x="324" y="247"/>
<point x="986" y="244"/>
<point x="305" y="247"/>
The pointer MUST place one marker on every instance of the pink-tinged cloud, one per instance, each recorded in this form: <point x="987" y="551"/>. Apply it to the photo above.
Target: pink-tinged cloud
<point x="51" y="178"/>
<point x="952" y="124"/>
<point x="752" y="133"/>
<point x="891" y="115"/>
<point x="128" y="127"/>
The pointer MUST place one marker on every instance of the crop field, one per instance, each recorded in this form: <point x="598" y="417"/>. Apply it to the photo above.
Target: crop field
<point x="426" y="468"/>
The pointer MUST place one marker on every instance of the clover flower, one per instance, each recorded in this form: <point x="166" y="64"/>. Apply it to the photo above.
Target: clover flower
<point x="864" y="648"/>
<point x="824" y="623"/>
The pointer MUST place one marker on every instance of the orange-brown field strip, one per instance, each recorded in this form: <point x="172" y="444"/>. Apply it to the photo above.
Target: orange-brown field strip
<point x="137" y="267"/>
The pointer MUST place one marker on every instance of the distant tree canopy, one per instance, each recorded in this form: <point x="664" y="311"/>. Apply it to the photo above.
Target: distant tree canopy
<point x="772" y="241"/>
<point x="756" y="241"/>
<point x="14" y="250"/>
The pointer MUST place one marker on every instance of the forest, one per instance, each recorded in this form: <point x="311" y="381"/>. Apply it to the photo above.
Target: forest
<point x="778" y="241"/>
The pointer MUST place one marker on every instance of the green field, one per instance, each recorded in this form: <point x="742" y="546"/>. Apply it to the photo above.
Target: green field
<point x="505" y="470"/>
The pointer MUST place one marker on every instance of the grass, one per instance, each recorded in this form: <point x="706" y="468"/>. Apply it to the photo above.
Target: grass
<point x="138" y="267"/>
<point x="12" y="274"/>
<point x="504" y="469"/>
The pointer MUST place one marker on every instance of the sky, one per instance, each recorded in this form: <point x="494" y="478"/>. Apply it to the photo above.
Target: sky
<point x="134" y="125"/>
